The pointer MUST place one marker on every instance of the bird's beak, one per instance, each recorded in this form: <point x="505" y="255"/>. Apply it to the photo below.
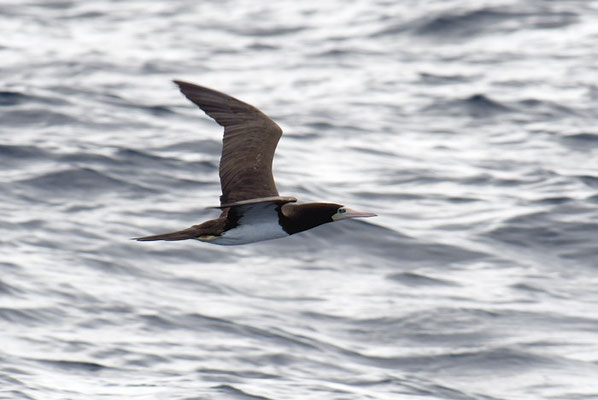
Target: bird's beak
<point x="349" y="213"/>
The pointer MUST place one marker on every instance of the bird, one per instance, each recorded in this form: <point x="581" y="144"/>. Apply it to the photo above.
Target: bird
<point x="251" y="208"/>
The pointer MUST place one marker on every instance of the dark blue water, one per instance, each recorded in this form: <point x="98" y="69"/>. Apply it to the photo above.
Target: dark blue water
<point x="469" y="127"/>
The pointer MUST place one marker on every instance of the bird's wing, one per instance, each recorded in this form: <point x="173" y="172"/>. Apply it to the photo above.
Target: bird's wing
<point x="250" y="139"/>
<point x="280" y="200"/>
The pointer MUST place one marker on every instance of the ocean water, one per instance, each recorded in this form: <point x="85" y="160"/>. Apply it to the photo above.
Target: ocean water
<point x="468" y="126"/>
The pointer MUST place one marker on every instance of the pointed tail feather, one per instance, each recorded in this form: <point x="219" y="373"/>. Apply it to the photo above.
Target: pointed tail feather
<point x="189" y="233"/>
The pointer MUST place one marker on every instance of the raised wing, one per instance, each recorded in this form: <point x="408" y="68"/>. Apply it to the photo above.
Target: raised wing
<point x="279" y="200"/>
<point x="250" y="139"/>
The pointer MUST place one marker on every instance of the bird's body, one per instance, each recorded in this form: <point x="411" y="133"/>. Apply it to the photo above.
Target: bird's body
<point x="251" y="208"/>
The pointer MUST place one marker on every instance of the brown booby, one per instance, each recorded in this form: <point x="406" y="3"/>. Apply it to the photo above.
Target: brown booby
<point x="252" y="209"/>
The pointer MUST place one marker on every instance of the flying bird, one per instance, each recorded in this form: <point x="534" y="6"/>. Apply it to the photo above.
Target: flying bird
<point x="251" y="208"/>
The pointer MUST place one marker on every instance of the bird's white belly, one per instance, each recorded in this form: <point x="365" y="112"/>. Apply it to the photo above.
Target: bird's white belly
<point x="250" y="233"/>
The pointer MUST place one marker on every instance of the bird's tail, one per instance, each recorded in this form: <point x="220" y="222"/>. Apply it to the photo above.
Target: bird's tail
<point x="189" y="233"/>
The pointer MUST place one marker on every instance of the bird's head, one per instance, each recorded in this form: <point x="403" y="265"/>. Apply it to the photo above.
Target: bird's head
<point x="342" y="212"/>
<point x="301" y="217"/>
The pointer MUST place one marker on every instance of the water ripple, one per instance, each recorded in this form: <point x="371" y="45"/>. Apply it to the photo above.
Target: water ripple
<point x="468" y="129"/>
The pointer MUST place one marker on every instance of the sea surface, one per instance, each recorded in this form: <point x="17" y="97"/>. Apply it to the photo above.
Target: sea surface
<point x="469" y="127"/>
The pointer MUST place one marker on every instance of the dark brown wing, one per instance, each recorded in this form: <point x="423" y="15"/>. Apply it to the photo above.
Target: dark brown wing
<point x="250" y="139"/>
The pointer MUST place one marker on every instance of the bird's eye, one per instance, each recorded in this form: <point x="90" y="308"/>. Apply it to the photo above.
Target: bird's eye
<point x="342" y="211"/>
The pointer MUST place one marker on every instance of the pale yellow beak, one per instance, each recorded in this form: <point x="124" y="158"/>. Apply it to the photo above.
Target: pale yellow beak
<point x="346" y="213"/>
